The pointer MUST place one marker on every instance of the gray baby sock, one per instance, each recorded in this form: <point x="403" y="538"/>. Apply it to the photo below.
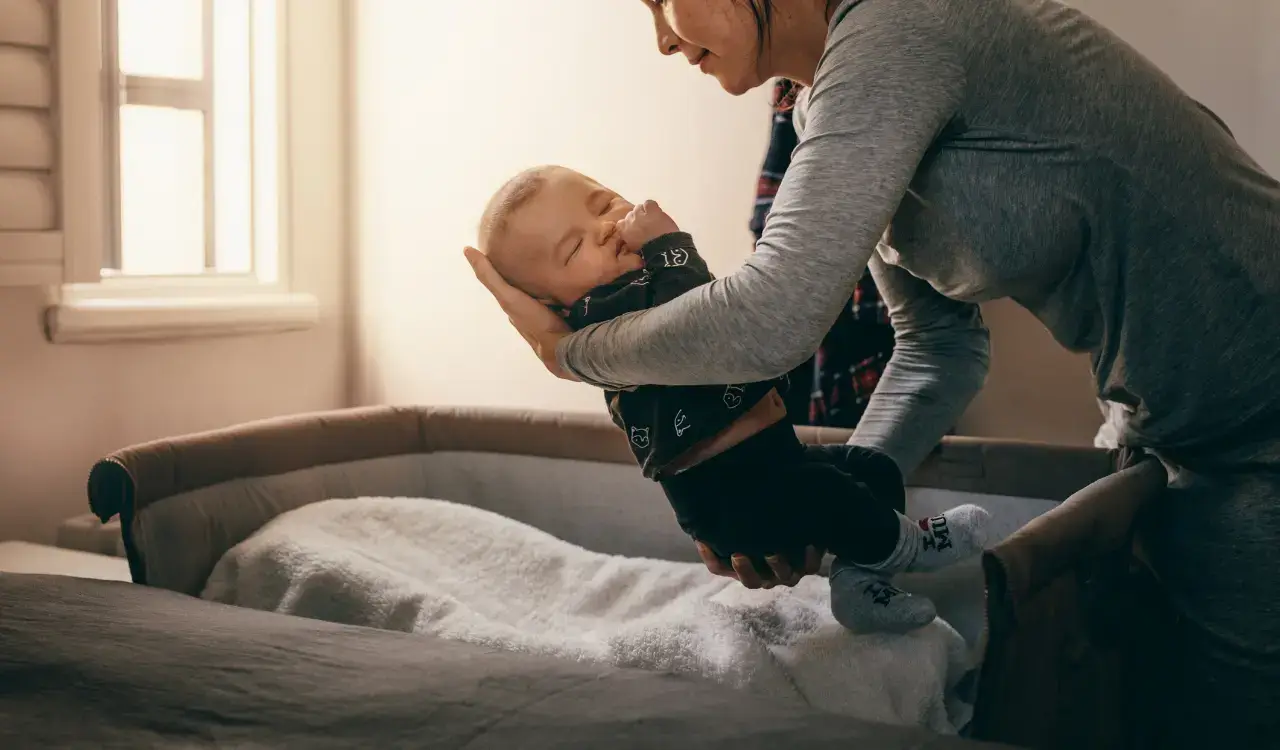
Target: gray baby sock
<point x="939" y="541"/>
<point x="862" y="597"/>
<point x="864" y="601"/>
<point x="935" y="542"/>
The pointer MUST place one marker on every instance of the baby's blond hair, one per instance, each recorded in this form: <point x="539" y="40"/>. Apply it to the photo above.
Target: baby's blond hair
<point x="496" y="219"/>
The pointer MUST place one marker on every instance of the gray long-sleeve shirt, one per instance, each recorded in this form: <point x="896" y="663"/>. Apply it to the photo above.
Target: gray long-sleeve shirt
<point x="1012" y="148"/>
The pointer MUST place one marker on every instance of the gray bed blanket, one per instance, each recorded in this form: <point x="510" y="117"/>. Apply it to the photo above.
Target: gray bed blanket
<point x="458" y="572"/>
<point x="97" y="664"/>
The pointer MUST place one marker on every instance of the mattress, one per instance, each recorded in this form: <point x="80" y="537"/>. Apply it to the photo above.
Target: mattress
<point x="24" y="557"/>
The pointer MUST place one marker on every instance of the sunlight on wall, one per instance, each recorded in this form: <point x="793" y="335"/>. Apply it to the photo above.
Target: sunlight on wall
<point x="452" y="99"/>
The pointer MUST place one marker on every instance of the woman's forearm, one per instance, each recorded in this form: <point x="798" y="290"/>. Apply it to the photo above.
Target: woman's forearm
<point x="925" y="389"/>
<point x="939" y="363"/>
<point x="743" y="328"/>
<point x="886" y="88"/>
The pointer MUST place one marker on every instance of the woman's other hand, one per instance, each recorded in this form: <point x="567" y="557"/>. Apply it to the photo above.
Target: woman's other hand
<point x="782" y="572"/>
<point x="539" y="326"/>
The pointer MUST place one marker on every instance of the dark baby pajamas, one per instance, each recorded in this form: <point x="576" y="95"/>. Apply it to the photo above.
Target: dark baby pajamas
<point x="810" y="492"/>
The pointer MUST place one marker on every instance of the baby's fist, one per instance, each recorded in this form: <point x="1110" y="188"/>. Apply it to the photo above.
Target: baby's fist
<point x="644" y="223"/>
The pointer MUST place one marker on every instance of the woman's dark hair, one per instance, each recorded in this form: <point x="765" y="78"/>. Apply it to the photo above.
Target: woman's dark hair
<point x="763" y="12"/>
<point x="785" y="94"/>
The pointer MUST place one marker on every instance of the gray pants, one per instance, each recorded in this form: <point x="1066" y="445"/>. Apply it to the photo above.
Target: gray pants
<point x="1214" y="541"/>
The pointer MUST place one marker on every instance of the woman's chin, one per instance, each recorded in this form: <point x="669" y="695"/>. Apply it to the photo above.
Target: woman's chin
<point x="737" y="86"/>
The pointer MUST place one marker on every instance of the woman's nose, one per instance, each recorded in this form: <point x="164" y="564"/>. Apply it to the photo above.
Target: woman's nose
<point x="607" y="230"/>
<point x="668" y="42"/>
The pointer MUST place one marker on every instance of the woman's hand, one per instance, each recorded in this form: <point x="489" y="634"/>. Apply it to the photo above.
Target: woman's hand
<point x="781" y="572"/>
<point x="539" y="326"/>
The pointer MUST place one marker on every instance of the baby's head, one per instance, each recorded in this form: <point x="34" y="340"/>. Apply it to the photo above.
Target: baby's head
<point x="553" y="233"/>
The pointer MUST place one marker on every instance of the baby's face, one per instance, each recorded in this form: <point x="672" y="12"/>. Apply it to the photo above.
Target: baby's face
<point x="565" y="241"/>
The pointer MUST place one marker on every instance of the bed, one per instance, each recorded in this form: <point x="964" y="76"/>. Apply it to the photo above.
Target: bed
<point x="99" y="664"/>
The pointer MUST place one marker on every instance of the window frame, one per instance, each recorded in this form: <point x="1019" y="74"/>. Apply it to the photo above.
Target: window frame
<point x="95" y="304"/>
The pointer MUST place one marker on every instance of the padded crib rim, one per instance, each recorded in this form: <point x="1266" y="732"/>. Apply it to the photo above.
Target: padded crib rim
<point x="133" y="478"/>
<point x="1033" y="572"/>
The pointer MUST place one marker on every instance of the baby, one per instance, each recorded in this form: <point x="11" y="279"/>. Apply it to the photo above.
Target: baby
<point x="725" y="455"/>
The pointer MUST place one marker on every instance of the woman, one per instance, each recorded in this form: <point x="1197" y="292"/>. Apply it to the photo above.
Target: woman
<point x="831" y="388"/>
<point x="1010" y="148"/>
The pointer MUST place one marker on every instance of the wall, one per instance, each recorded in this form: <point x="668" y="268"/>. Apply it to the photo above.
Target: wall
<point x="439" y="125"/>
<point x="62" y="407"/>
<point x="1267" y="117"/>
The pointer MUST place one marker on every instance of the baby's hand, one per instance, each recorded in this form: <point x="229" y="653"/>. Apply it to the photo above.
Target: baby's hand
<point x="643" y="223"/>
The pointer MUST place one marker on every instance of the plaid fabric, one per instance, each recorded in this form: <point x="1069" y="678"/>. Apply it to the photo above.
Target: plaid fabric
<point x="833" y="387"/>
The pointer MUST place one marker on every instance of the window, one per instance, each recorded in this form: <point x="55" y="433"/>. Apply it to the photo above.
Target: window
<point x="195" y="137"/>
<point x="195" y="203"/>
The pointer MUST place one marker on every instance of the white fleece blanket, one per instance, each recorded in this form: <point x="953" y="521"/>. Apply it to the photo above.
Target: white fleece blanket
<point x="457" y="572"/>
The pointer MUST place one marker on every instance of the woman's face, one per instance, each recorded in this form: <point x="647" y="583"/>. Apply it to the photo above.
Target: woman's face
<point x="719" y="36"/>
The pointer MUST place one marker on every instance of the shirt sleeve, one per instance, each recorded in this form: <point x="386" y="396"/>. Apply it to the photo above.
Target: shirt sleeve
<point x="888" y="83"/>
<point x="939" y="363"/>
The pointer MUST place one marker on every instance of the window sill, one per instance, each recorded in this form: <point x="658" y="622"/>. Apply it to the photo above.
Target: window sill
<point x="107" y="319"/>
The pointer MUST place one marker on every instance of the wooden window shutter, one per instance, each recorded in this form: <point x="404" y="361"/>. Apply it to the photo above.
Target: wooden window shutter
<point x="51" y="151"/>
